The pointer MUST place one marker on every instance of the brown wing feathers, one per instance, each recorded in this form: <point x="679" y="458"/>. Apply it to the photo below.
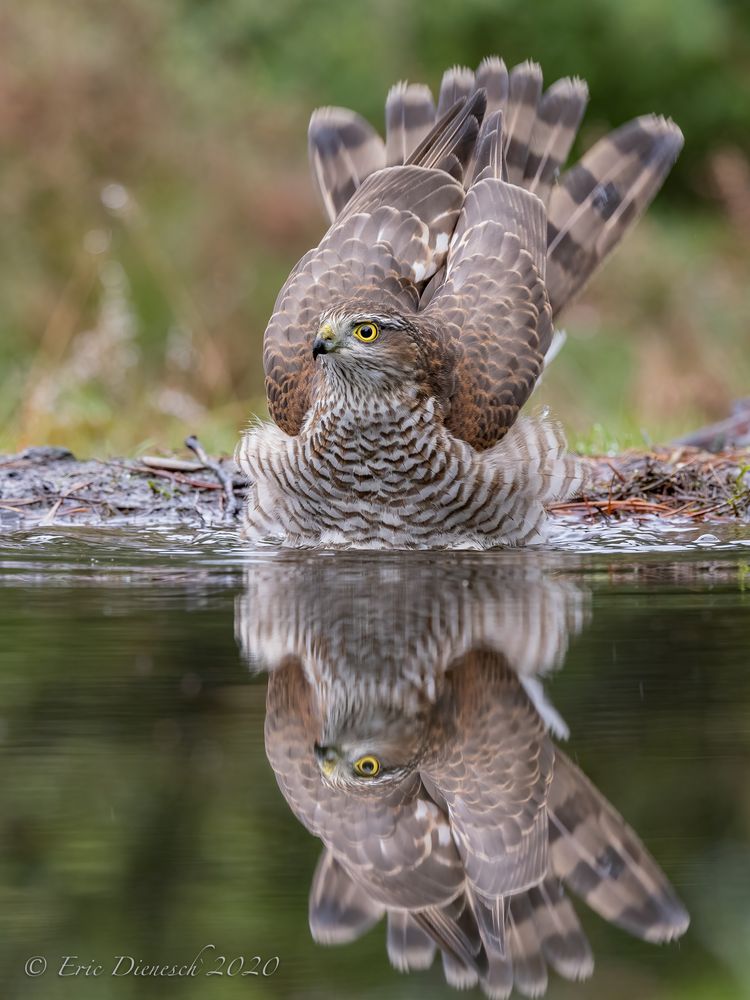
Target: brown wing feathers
<point x="501" y="286"/>
<point x="494" y="304"/>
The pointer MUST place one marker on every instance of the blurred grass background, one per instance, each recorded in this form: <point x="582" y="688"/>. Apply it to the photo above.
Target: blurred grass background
<point x="154" y="195"/>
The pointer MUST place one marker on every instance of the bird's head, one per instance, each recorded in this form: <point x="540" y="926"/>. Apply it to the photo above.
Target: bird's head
<point x="367" y="348"/>
<point x="372" y="752"/>
<point x="359" y="765"/>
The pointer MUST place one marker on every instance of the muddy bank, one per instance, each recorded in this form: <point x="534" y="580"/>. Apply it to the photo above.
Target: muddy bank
<point x="44" y="486"/>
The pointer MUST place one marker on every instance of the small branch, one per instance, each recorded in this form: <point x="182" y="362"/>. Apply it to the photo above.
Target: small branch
<point x="170" y="464"/>
<point x="221" y="474"/>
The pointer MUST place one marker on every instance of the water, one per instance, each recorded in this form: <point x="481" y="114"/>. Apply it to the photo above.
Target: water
<point x="141" y="817"/>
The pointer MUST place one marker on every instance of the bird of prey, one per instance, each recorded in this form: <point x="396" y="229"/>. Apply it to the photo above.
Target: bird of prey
<point x="402" y="348"/>
<point x="411" y="734"/>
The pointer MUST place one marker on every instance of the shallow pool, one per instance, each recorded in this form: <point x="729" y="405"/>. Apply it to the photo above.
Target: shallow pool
<point x="182" y="723"/>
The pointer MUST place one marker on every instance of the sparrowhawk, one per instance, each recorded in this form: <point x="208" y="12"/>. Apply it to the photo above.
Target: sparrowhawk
<point x="403" y="346"/>
<point x="409" y="730"/>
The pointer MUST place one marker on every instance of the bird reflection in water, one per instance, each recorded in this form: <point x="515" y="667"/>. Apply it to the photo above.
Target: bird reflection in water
<point x="408" y="729"/>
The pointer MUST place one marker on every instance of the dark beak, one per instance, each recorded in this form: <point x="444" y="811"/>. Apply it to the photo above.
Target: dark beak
<point x="325" y="341"/>
<point x="326" y="758"/>
<point x="320" y="346"/>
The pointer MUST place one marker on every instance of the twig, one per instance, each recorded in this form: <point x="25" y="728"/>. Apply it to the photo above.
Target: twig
<point x="224" y="478"/>
<point x="49" y="517"/>
<point x="171" y="464"/>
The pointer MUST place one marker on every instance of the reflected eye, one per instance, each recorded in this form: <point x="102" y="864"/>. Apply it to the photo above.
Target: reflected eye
<point x="367" y="767"/>
<point x="366" y="332"/>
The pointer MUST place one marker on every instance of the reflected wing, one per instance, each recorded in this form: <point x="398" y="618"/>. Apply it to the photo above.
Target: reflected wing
<point x="340" y="909"/>
<point x="491" y="769"/>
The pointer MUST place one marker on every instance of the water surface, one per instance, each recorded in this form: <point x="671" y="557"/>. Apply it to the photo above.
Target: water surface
<point x="141" y="817"/>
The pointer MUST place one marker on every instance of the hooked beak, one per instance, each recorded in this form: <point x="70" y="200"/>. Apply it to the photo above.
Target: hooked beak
<point x="325" y="342"/>
<point x="326" y="757"/>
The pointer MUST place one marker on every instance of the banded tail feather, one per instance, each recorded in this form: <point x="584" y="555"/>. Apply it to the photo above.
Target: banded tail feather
<point x="557" y="119"/>
<point x="529" y="967"/>
<point x="339" y="909"/>
<point x="564" y="945"/>
<point x="597" y="855"/>
<point x="344" y="150"/>
<point x="410" y="947"/>
<point x="409" y="117"/>
<point x="525" y="90"/>
<point x="492" y="77"/>
<point x="456" y="85"/>
<point x="600" y="199"/>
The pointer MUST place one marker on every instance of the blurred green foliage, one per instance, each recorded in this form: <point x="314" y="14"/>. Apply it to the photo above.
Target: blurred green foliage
<point x="140" y="319"/>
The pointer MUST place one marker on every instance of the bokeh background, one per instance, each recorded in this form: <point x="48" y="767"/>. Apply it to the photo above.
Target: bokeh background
<point x="154" y="195"/>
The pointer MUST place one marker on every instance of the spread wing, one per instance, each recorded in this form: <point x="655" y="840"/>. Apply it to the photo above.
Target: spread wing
<point x="389" y="239"/>
<point x="493" y="302"/>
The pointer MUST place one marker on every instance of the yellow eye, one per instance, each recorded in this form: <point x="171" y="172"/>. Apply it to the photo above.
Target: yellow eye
<point x="366" y="332"/>
<point x="367" y="767"/>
